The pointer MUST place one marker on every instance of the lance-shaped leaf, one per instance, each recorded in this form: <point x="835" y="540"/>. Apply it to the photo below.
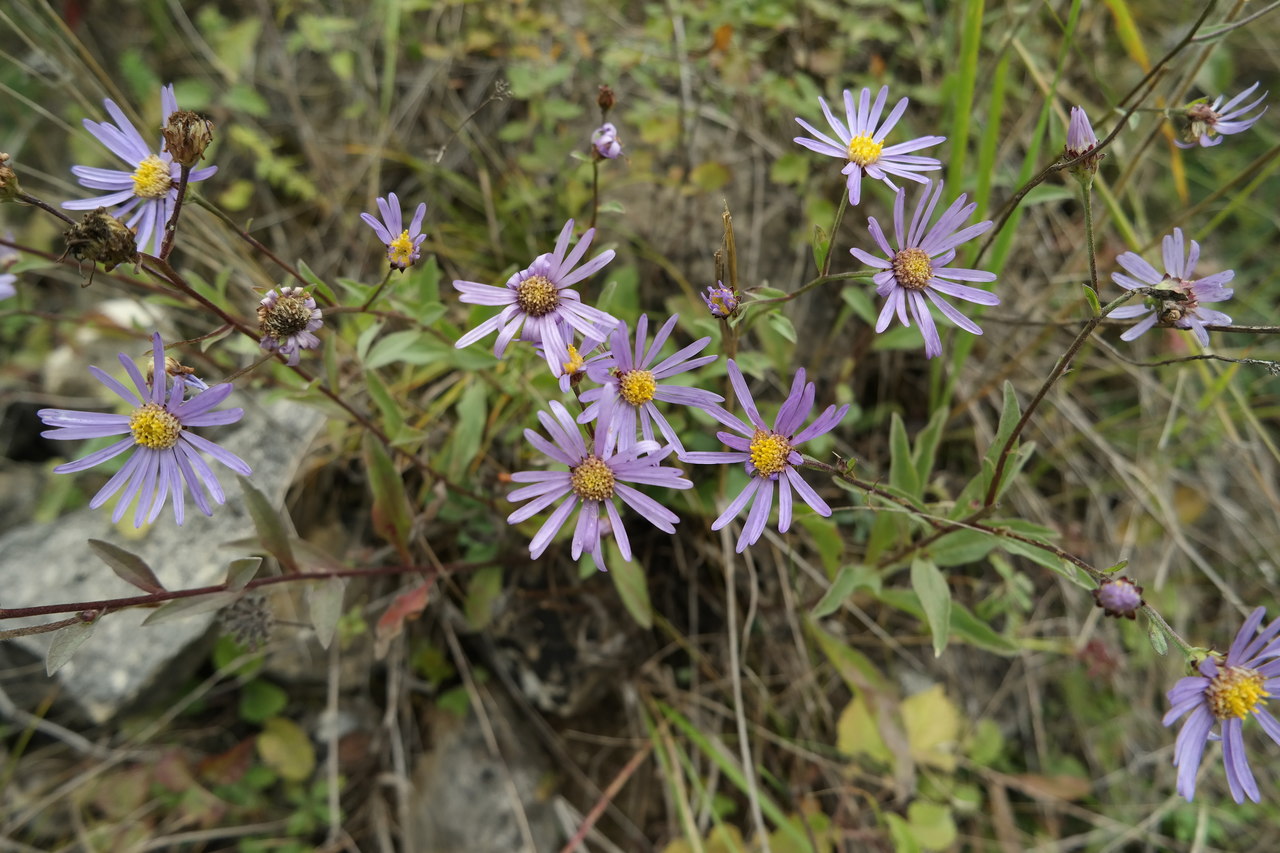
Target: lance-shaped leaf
<point x="240" y="572"/>
<point x="324" y="602"/>
<point x="65" y="642"/>
<point x="128" y="566"/>
<point x="271" y="528"/>
<point x="390" y="503"/>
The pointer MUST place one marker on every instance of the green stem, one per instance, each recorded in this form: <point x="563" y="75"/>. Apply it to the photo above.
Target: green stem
<point x="386" y="278"/>
<point x="831" y="238"/>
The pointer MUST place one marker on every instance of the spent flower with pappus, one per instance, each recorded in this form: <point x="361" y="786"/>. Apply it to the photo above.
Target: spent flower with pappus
<point x="596" y="475"/>
<point x="860" y="141"/>
<point x="916" y="273"/>
<point x="166" y="455"/>
<point x="605" y="141"/>
<point x="289" y="319"/>
<point x="538" y="305"/>
<point x="1081" y="141"/>
<point x="1225" y="693"/>
<point x="632" y="380"/>
<point x="1208" y="123"/>
<point x="403" y="244"/>
<point x="721" y="301"/>
<point x="770" y="455"/>
<point x="1178" y="297"/>
<point x="150" y="189"/>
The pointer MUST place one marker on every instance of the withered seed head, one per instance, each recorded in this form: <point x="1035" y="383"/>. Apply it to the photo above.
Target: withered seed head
<point x="186" y="135"/>
<point x="99" y="236"/>
<point x="9" y="189"/>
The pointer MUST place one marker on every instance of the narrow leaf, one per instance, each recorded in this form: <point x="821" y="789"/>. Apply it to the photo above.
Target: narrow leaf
<point x="483" y="591"/>
<point x="1159" y="641"/>
<point x="926" y="449"/>
<point x="65" y="642"/>
<point x="128" y="566"/>
<point x="931" y="587"/>
<point x="184" y="607"/>
<point x="902" y="474"/>
<point x="240" y="572"/>
<point x="847" y="580"/>
<point x="270" y="527"/>
<point x="633" y="587"/>
<point x="390" y="503"/>
<point x="324" y="603"/>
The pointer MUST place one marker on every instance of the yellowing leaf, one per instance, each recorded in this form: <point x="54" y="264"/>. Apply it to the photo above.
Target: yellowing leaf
<point x="285" y="747"/>
<point x="931" y="825"/>
<point x="932" y="724"/>
<point x="857" y="733"/>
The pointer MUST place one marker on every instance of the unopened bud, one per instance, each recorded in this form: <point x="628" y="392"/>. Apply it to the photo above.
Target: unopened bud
<point x="1120" y="598"/>
<point x="1081" y="140"/>
<point x="186" y="136"/>
<point x="99" y="236"/>
<point x="9" y="189"/>
<point x="606" y="99"/>
<point x="721" y="301"/>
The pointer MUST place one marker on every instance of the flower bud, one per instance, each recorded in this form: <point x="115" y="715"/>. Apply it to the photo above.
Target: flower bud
<point x="606" y="99"/>
<point x="1081" y="140"/>
<point x="99" y="236"/>
<point x="1120" y="598"/>
<point x="186" y="136"/>
<point x="721" y="301"/>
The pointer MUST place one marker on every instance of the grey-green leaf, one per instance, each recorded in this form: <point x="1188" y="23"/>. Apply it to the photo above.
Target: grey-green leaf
<point x="128" y="566"/>
<point x="65" y="642"/>
<point x="930" y="586"/>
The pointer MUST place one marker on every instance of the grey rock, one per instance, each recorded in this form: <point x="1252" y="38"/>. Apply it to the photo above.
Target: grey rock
<point x="49" y="563"/>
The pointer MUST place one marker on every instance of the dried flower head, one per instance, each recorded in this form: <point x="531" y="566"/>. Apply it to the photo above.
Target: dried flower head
<point x="186" y="136"/>
<point x="249" y="621"/>
<point x="1178" y="297"/>
<point x="1227" y="692"/>
<point x="606" y="99"/>
<point x="99" y="236"/>
<point x="1119" y="597"/>
<point x="289" y="319"/>
<point x="1208" y="123"/>
<point x="9" y="188"/>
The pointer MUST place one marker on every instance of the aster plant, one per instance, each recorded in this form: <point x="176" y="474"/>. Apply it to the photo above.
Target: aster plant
<point x="1208" y="123"/>
<point x="166" y="457"/>
<point x="404" y="245"/>
<point x="860" y="141"/>
<point x="916" y="274"/>
<point x="595" y="477"/>
<point x="538" y="304"/>
<point x="1177" y="302"/>
<point x="150" y="190"/>
<point x="770" y="455"/>
<point x="289" y="319"/>
<point x="1225" y="693"/>
<point x="634" y="382"/>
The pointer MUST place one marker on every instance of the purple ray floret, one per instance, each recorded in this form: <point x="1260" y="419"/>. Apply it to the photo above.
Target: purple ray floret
<point x="916" y="273"/>
<point x="1208" y="123"/>
<point x="166" y="456"/>
<point x="150" y="189"/>
<point x="595" y="477"/>
<point x="637" y="382"/>
<point x="769" y="455"/>
<point x="1227" y="691"/>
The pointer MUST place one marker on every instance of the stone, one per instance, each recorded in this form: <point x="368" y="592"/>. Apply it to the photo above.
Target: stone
<point x="49" y="563"/>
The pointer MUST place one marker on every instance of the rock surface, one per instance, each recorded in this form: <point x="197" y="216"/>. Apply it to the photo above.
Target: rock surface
<point x="51" y="563"/>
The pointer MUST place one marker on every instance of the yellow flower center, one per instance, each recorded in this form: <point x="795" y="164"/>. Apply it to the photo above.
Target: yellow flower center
<point x="1235" y="692"/>
<point x="592" y="480"/>
<point x="769" y="452"/>
<point x="864" y="150"/>
<point x="151" y="179"/>
<point x="575" y="362"/>
<point x="912" y="268"/>
<point x="154" y="426"/>
<point x="537" y="296"/>
<point x="637" y="386"/>
<point x="400" y="251"/>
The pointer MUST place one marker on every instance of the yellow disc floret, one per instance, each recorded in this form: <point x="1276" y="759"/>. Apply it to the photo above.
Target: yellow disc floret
<point x="400" y="251"/>
<point x="575" y="362"/>
<point x="537" y="296"/>
<point x="592" y="480"/>
<point x="152" y="179"/>
<point x="155" y="427"/>
<point x="1235" y="692"/>
<point x="769" y="452"/>
<point x="636" y="386"/>
<point x="912" y="268"/>
<point x="864" y="150"/>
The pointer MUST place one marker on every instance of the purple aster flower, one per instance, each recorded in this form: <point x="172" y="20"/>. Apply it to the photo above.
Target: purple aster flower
<point x="636" y="382"/>
<point x="289" y="320"/>
<point x="918" y="269"/>
<point x="1208" y="121"/>
<point x="721" y="301"/>
<point x="1182" y="308"/>
<point x="605" y="141"/>
<point x="403" y="244"/>
<point x="150" y="189"/>
<point x="8" y="257"/>
<point x="538" y="300"/>
<point x="595" y="477"/>
<point x="581" y="359"/>
<point x="862" y="144"/>
<point x="165" y="451"/>
<point x="1080" y="141"/>
<point x="769" y="455"/>
<point x="1227" y="691"/>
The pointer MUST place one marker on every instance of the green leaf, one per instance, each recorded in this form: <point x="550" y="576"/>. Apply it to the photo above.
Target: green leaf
<point x="962" y="547"/>
<point x="821" y="246"/>
<point x="902" y="473"/>
<point x="1009" y="414"/>
<point x="128" y="567"/>
<point x="1159" y="641"/>
<point x="1091" y="297"/>
<point x="324" y="604"/>
<point x="65" y="642"/>
<point x="483" y="590"/>
<point x="633" y="588"/>
<point x="240" y="572"/>
<point x="926" y="449"/>
<point x="392" y="419"/>
<point x="194" y="606"/>
<point x="931" y="588"/>
<point x="392" y="514"/>
<point x="826" y="538"/>
<point x="931" y="825"/>
<point x="285" y="748"/>
<point x="468" y="433"/>
<point x="847" y="580"/>
<point x="780" y="324"/>
<point x="270" y="527"/>
<point x="261" y="700"/>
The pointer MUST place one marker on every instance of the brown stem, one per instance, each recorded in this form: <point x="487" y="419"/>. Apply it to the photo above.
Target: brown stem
<point x="171" y="227"/>
<point x="46" y="207"/>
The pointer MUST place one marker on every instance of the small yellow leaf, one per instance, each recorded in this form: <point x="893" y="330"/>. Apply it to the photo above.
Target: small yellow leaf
<point x="933" y="728"/>
<point x="857" y="733"/>
<point x="286" y="749"/>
